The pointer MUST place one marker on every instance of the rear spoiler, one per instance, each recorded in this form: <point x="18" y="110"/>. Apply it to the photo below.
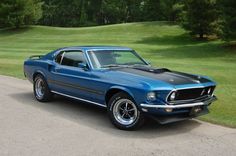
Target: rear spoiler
<point x="36" y="57"/>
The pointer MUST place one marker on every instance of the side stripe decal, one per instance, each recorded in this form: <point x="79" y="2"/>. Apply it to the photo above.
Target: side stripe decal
<point x="76" y="87"/>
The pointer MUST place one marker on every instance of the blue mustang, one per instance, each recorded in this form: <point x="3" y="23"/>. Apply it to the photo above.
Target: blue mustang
<point x="120" y="80"/>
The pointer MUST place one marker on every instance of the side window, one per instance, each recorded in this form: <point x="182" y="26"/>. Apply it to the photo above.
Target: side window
<point x="73" y="58"/>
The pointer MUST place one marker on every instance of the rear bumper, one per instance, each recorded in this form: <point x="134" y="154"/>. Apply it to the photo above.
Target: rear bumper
<point x="185" y="105"/>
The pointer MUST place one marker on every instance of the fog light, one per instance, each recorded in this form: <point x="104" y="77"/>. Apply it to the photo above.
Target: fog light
<point x="168" y="110"/>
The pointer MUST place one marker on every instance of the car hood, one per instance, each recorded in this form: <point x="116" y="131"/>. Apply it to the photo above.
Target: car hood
<point x="152" y="76"/>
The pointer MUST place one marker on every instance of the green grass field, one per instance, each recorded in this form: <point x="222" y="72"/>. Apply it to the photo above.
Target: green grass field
<point x="163" y="44"/>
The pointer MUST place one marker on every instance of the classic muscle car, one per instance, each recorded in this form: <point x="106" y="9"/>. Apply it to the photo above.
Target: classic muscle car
<point x="118" y="79"/>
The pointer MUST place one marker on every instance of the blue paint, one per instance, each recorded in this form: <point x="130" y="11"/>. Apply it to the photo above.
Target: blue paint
<point x="93" y="84"/>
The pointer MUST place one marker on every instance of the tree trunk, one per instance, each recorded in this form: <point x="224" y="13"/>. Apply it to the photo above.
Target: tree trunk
<point x="201" y="35"/>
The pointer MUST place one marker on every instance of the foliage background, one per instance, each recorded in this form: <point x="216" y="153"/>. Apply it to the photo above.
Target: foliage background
<point x="166" y="44"/>
<point x="200" y="17"/>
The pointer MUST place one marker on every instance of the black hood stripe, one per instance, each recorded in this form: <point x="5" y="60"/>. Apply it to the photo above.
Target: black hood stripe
<point x="166" y="75"/>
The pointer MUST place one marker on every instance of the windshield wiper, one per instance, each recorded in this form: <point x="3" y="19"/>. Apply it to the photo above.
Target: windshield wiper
<point x="142" y="65"/>
<point x="113" y="65"/>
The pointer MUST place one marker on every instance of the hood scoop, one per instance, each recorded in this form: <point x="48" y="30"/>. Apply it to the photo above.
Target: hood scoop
<point x="152" y="70"/>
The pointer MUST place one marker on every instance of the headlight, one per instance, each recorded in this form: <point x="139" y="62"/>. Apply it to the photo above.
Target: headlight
<point x="151" y="96"/>
<point x="172" y="96"/>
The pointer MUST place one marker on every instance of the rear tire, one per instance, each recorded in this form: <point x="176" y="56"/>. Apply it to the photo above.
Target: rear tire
<point x="41" y="90"/>
<point x="124" y="113"/>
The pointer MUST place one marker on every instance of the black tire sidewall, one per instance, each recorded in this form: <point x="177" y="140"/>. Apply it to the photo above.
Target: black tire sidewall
<point x="136" y="124"/>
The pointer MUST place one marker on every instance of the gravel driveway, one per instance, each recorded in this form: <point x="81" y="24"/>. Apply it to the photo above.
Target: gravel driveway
<point x="67" y="127"/>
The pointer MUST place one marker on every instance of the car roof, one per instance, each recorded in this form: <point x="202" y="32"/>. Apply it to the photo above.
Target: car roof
<point x="86" y="48"/>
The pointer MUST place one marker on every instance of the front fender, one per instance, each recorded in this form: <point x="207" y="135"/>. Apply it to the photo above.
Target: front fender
<point x="137" y="99"/>
<point x="124" y="89"/>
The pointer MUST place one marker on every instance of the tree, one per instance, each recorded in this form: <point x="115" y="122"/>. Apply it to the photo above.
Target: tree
<point x="171" y="9"/>
<point x="228" y="10"/>
<point x="99" y="12"/>
<point x="201" y="17"/>
<point x="72" y="14"/>
<point x="110" y="11"/>
<point x="152" y="10"/>
<point x="17" y="13"/>
<point x="63" y="13"/>
<point x="133" y="11"/>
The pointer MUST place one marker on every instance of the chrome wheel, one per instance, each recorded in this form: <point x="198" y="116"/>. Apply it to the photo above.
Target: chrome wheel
<point x="125" y="112"/>
<point x="39" y="88"/>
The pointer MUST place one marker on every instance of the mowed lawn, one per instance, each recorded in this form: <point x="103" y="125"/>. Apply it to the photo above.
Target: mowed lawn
<point x="163" y="44"/>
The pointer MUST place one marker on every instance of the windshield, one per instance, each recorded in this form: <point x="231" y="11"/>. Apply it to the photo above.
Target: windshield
<point x="113" y="58"/>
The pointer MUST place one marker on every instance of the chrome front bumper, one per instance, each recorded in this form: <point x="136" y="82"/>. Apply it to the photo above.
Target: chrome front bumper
<point x="185" y="105"/>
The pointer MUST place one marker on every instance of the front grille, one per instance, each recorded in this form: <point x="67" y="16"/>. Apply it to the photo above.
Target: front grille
<point x="192" y="93"/>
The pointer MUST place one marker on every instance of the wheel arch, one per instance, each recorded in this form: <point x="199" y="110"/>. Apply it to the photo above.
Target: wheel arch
<point x="37" y="72"/>
<point x="116" y="89"/>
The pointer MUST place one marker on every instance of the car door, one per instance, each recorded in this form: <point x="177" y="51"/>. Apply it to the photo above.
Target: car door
<point x="70" y="78"/>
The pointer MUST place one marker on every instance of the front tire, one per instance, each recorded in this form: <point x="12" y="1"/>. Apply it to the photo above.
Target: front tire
<point x="124" y="113"/>
<point x="41" y="90"/>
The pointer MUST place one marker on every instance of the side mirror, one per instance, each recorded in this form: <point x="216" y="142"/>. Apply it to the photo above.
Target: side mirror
<point x="83" y="66"/>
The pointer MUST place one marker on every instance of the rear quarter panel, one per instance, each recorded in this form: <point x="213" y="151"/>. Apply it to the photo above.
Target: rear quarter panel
<point x="32" y="67"/>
